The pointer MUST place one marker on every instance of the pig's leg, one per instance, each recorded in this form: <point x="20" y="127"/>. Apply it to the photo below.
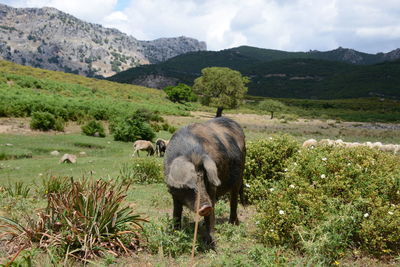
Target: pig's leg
<point x="210" y="229"/>
<point x="233" y="218"/>
<point x="177" y="214"/>
<point x="210" y="221"/>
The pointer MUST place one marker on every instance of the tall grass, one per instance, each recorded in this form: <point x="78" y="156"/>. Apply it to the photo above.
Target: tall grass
<point x="86" y="219"/>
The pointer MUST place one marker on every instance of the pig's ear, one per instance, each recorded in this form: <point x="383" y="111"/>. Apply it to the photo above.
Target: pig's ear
<point x="211" y="169"/>
<point x="181" y="174"/>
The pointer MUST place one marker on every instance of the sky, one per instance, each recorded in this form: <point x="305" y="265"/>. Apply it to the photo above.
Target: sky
<point x="369" y="26"/>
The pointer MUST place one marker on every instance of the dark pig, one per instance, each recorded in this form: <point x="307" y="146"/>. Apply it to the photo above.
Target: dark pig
<point x="207" y="158"/>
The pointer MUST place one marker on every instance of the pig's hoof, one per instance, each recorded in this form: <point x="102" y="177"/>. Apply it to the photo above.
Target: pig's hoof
<point x="234" y="221"/>
<point x="209" y="242"/>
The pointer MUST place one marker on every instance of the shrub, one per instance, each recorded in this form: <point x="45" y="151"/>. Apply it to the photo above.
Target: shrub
<point x="46" y="121"/>
<point x="86" y="220"/>
<point x="130" y="129"/>
<point x="53" y="184"/>
<point x="172" y="129"/>
<point x="266" y="162"/>
<point x="142" y="171"/>
<point x="93" y="128"/>
<point x="180" y="93"/>
<point x="148" y="115"/>
<point x="332" y="199"/>
<point x="17" y="189"/>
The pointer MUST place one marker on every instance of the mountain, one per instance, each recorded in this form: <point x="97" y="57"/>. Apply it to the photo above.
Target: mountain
<point x="340" y="73"/>
<point x="51" y="39"/>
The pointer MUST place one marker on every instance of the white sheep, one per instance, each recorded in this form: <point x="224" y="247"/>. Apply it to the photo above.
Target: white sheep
<point x="310" y="143"/>
<point x="339" y="142"/>
<point x="326" y="142"/>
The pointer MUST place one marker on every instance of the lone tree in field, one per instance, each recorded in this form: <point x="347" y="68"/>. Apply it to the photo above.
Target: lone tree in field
<point x="221" y="88"/>
<point x="271" y="106"/>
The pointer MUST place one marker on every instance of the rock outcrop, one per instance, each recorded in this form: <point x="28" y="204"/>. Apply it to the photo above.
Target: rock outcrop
<point x="51" y="39"/>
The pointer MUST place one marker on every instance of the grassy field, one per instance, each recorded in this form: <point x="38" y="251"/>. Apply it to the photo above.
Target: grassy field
<point x="25" y="158"/>
<point x="31" y="162"/>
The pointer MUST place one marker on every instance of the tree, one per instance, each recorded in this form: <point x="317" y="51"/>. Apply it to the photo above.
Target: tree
<point x="180" y="93"/>
<point x="221" y="88"/>
<point x="271" y="106"/>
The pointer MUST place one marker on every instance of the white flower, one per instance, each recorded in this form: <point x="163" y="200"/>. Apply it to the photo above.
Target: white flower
<point x="281" y="212"/>
<point x="348" y="164"/>
<point x="390" y="213"/>
<point x="257" y="222"/>
<point x="295" y="164"/>
<point x="40" y="174"/>
<point x="366" y="215"/>
<point x="271" y="189"/>
<point x="285" y="169"/>
<point x="291" y="186"/>
<point x="247" y="185"/>
<point x="323" y="176"/>
<point x="137" y="165"/>
<point x="324" y="159"/>
<point x="271" y="230"/>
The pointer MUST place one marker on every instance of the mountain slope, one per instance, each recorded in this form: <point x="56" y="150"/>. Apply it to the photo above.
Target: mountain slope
<point x="282" y="74"/>
<point x="51" y="39"/>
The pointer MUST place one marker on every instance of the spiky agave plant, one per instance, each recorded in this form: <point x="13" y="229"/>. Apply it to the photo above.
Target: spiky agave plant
<point x="87" y="220"/>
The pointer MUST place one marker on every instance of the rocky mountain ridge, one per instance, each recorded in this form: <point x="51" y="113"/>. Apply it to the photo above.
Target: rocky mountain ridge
<point x="51" y="39"/>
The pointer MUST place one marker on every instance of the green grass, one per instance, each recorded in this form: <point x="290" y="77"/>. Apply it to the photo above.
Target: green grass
<point x="237" y="246"/>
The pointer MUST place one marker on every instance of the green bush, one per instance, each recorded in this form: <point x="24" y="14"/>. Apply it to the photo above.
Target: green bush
<point x="332" y="199"/>
<point x="46" y="121"/>
<point x="142" y="171"/>
<point x="93" y="128"/>
<point x="180" y="93"/>
<point x="130" y="129"/>
<point x="266" y="162"/>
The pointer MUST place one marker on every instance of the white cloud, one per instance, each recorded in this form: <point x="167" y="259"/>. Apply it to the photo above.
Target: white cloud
<point x="88" y="10"/>
<point x="295" y="25"/>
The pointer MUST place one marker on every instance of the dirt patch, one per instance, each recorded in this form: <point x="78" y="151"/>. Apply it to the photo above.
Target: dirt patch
<point x="20" y="126"/>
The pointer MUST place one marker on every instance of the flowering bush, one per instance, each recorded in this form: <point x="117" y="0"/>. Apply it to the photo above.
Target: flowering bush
<point x="266" y="163"/>
<point x="332" y="199"/>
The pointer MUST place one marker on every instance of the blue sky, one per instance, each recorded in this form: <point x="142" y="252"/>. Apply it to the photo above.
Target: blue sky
<point x="294" y="25"/>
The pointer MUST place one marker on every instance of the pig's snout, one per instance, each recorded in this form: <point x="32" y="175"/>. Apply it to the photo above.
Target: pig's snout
<point x="205" y="210"/>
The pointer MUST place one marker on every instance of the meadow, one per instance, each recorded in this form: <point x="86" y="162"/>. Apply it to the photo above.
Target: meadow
<point x="27" y="171"/>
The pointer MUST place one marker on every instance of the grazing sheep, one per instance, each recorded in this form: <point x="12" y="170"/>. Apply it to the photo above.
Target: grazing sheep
<point x="350" y="144"/>
<point x="339" y="142"/>
<point x="310" y="143"/>
<point x="388" y="148"/>
<point x="161" y="146"/>
<point x="143" y="145"/>
<point x="326" y="142"/>
<point x="368" y="144"/>
<point x="397" y="149"/>
<point x="376" y="145"/>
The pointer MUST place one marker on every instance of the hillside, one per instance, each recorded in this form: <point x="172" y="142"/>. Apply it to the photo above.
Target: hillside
<point x="51" y="39"/>
<point x="281" y="74"/>
<point x="24" y="90"/>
